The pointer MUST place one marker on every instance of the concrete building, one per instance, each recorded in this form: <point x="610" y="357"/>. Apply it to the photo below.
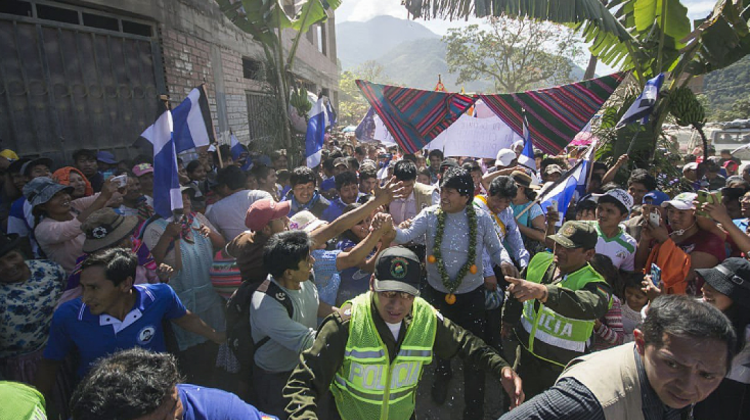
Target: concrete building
<point x="87" y="73"/>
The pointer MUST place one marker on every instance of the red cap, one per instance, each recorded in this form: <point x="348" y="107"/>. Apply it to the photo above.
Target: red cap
<point x="263" y="211"/>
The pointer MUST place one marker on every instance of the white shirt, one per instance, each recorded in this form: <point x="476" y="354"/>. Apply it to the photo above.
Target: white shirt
<point x="228" y="214"/>
<point x="620" y="248"/>
<point x="404" y="209"/>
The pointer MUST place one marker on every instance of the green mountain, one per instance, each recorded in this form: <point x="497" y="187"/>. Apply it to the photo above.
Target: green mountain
<point x="417" y="64"/>
<point x="357" y="42"/>
<point x="723" y="87"/>
<point x="411" y="54"/>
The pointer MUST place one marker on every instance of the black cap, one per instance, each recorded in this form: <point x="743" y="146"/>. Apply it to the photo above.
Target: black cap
<point x="448" y="163"/>
<point x="397" y="269"/>
<point x="730" y="278"/>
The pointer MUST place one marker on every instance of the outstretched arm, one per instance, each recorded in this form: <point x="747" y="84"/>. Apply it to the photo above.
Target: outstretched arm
<point x="383" y="195"/>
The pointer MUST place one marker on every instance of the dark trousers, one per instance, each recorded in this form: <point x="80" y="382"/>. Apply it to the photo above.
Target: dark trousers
<point x="198" y="363"/>
<point x="268" y="387"/>
<point x="468" y="312"/>
<point x="536" y="374"/>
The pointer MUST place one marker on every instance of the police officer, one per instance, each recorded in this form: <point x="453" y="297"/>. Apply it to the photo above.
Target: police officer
<point x="558" y="304"/>
<point x="370" y="354"/>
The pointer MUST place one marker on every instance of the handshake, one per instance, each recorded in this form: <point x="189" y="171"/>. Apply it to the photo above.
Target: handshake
<point x="382" y="222"/>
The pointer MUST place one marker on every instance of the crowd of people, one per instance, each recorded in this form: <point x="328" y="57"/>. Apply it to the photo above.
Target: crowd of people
<point x="291" y="292"/>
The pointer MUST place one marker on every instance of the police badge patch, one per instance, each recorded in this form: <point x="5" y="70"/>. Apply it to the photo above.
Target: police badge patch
<point x="398" y="268"/>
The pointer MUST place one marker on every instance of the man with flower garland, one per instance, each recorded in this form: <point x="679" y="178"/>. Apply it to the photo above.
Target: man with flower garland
<point x="457" y="235"/>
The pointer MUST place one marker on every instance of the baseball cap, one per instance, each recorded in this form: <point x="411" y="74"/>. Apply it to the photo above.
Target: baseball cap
<point x="553" y="168"/>
<point x="263" y="211"/>
<point x="683" y="201"/>
<point x="106" y="157"/>
<point x="397" y="269"/>
<point x="576" y="234"/>
<point x="143" y="169"/>
<point x="340" y="161"/>
<point x="730" y="278"/>
<point x="690" y="166"/>
<point x="620" y="195"/>
<point x="448" y="163"/>
<point x="26" y="167"/>
<point x="9" y="154"/>
<point x="193" y="190"/>
<point x="656" y="197"/>
<point x="306" y="221"/>
<point x="505" y="157"/>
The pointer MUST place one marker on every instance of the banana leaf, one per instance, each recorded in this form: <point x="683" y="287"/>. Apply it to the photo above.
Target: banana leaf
<point x="260" y="18"/>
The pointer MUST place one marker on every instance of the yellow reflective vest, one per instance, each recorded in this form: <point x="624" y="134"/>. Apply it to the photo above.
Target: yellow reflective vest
<point x="368" y="386"/>
<point x="545" y="333"/>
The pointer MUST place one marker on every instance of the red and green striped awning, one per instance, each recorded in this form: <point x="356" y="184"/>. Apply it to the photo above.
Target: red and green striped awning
<point x="415" y="117"/>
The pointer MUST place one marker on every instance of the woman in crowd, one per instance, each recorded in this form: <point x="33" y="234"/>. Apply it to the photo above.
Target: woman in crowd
<point x="134" y="203"/>
<point x="678" y="247"/>
<point x="727" y="287"/>
<point x="188" y="246"/>
<point x="29" y="290"/>
<point x="529" y="215"/>
<point x="105" y="229"/>
<point x="58" y="218"/>
<point x="72" y="177"/>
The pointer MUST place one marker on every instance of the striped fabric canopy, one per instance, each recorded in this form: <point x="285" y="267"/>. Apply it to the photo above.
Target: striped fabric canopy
<point x="414" y="117"/>
<point x="557" y="114"/>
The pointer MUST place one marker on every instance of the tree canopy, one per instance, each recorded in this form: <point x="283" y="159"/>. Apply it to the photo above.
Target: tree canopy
<point x="516" y="54"/>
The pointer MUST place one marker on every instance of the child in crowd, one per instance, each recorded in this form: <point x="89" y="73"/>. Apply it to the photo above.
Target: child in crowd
<point x="635" y="300"/>
<point x="608" y="330"/>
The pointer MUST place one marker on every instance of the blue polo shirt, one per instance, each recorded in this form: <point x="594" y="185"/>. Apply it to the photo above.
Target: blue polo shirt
<point x="73" y="326"/>
<point x="201" y="403"/>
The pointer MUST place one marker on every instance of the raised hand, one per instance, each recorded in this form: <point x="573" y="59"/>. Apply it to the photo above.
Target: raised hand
<point x="392" y="190"/>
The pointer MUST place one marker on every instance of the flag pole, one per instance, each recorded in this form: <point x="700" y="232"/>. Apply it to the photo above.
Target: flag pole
<point x="632" y="141"/>
<point x="213" y="130"/>
<point x="551" y="187"/>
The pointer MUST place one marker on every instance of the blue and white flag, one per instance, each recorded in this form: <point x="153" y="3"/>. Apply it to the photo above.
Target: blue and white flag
<point x="316" y="130"/>
<point x="332" y="116"/>
<point x="192" y="122"/>
<point x="560" y="194"/>
<point x="239" y="152"/>
<point x="527" y="155"/>
<point x="167" y="195"/>
<point x="643" y="104"/>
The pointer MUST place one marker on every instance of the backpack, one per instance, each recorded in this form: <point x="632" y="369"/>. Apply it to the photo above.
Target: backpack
<point x="239" y="334"/>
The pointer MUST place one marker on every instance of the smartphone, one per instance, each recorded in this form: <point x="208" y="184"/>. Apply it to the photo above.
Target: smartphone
<point x="706" y="197"/>
<point x="655" y="274"/>
<point x="121" y="180"/>
<point x="654" y="218"/>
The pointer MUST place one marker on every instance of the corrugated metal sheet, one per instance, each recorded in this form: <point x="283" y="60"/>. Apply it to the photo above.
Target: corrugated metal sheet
<point x="74" y="78"/>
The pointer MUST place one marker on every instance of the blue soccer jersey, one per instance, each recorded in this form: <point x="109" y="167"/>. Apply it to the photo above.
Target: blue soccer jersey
<point x="73" y="326"/>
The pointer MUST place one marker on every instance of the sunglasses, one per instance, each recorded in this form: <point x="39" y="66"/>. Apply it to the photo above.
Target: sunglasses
<point x="392" y="295"/>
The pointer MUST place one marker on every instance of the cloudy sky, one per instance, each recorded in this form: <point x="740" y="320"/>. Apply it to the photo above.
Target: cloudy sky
<point x="364" y="10"/>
